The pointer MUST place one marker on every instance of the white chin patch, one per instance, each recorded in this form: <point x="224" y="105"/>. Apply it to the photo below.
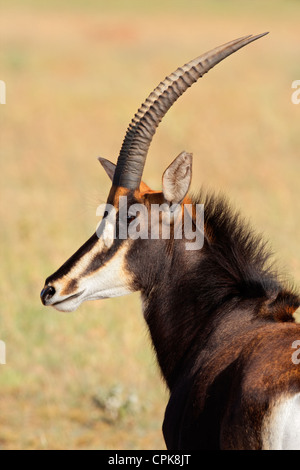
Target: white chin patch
<point x="68" y="306"/>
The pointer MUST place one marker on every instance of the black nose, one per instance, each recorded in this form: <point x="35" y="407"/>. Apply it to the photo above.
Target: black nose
<point x="46" y="294"/>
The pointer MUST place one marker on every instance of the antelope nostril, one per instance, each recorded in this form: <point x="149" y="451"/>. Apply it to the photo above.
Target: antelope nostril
<point x="47" y="293"/>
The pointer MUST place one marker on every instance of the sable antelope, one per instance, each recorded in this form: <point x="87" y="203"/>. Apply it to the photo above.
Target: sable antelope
<point x="221" y="320"/>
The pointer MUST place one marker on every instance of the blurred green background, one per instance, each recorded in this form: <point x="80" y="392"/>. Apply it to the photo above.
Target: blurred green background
<point x="75" y="74"/>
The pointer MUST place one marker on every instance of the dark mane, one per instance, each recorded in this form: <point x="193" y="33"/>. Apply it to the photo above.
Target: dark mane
<point x="238" y="263"/>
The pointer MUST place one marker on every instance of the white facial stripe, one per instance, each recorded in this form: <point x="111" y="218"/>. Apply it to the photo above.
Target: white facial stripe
<point x="111" y="280"/>
<point x="106" y="229"/>
<point x="108" y="234"/>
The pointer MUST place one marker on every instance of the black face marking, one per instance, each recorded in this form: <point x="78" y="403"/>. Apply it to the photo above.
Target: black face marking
<point x="71" y="286"/>
<point x="74" y="296"/>
<point x="70" y="263"/>
<point x="102" y="258"/>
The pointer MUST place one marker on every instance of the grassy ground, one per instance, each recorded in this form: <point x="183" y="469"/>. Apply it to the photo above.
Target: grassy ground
<point x="75" y="76"/>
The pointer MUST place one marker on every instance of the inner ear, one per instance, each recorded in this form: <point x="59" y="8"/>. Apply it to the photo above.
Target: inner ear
<point x="177" y="178"/>
<point x="108" y="166"/>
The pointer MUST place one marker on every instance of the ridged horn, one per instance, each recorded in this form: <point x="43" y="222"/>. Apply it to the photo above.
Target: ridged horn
<point x="132" y="157"/>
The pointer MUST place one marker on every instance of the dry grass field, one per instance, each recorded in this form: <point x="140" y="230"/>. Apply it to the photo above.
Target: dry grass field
<point x="75" y="74"/>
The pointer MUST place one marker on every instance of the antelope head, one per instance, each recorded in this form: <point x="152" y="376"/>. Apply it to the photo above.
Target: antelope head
<point x="108" y="264"/>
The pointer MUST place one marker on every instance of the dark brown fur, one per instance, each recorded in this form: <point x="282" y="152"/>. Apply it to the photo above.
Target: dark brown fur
<point x="222" y="326"/>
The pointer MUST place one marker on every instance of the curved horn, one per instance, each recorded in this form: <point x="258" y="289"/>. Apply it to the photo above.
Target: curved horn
<point x="142" y="128"/>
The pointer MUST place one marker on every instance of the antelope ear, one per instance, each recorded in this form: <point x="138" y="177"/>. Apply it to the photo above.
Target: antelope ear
<point x="177" y="178"/>
<point x="108" y="166"/>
